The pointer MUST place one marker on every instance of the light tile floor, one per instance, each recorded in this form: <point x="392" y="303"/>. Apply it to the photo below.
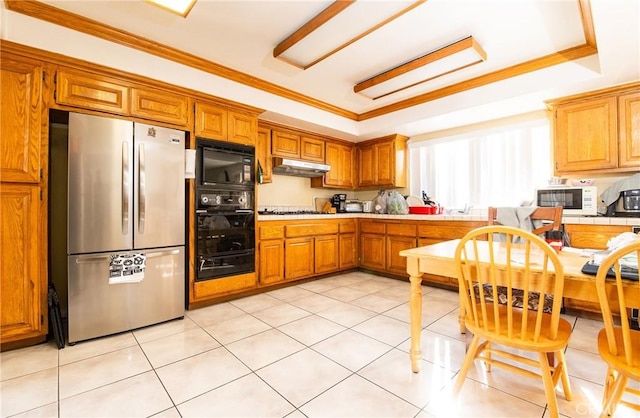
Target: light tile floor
<point x="334" y="347"/>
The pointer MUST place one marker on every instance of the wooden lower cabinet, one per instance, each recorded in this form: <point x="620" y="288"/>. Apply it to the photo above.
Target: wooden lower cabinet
<point x="271" y="265"/>
<point x="326" y="254"/>
<point x="23" y="287"/>
<point x="373" y="251"/>
<point x="397" y="264"/>
<point x="348" y="257"/>
<point x="593" y="236"/>
<point x="299" y="258"/>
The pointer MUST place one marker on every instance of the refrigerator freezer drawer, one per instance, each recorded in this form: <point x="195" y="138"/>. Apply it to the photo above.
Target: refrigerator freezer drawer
<point x="97" y="308"/>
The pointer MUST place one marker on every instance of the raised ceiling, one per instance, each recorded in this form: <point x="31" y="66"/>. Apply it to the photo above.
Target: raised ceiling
<point x="317" y="52"/>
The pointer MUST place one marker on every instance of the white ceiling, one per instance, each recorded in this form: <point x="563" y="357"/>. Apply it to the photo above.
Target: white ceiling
<point x="242" y="35"/>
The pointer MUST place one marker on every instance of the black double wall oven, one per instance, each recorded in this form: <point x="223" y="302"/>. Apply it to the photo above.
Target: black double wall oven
<point x="225" y="209"/>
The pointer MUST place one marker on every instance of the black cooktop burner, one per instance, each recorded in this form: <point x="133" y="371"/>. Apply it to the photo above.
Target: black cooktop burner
<point x="293" y="212"/>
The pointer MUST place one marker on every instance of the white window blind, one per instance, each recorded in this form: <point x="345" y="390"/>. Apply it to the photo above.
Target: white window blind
<point x="493" y="167"/>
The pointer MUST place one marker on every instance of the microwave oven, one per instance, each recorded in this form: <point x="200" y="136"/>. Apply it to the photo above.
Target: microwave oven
<point x="575" y="201"/>
<point x="224" y="164"/>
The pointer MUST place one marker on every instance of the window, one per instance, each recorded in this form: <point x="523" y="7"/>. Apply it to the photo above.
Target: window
<point x="491" y="167"/>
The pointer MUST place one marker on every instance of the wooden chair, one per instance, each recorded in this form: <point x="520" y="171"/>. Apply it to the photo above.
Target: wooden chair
<point x="552" y="218"/>
<point x="532" y="266"/>
<point x="618" y="344"/>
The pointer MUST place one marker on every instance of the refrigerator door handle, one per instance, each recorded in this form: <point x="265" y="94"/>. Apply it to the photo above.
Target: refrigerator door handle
<point x="91" y="260"/>
<point x="142" y="198"/>
<point x="125" y="188"/>
<point x="162" y="253"/>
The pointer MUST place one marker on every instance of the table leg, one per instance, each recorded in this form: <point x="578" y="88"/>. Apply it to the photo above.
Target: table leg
<point x="415" y="312"/>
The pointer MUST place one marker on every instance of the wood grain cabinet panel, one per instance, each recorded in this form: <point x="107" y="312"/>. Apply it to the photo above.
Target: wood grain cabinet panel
<point x="159" y="105"/>
<point x="299" y="258"/>
<point x="597" y="131"/>
<point x="271" y="267"/>
<point x="629" y="130"/>
<point x="395" y="263"/>
<point x="382" y="162"/>
<point x="211" y="122"/>
<point x="373" y="251"/>
<point x="20" y="118"/>
<point x="348" y="246"/>
<point x="285" y="144"/>
<point x="586" y="135"/>
<point x="263" y="154"/>
<point x="91" y="91"/>
<point x="242" y="128"/>
<point x="22" y="286"/>
<point x="341" y="159"/>
<point x="326" y="254"/>
<point x="312" y="149"/>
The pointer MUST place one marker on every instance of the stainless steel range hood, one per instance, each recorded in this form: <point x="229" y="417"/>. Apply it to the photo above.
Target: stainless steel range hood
<point x="297" y="168"/>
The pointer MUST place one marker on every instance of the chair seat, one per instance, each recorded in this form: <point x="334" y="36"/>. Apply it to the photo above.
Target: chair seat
<point x="545" y="343"/>
<point x="618" y="361"/>
<point x="518" y="298"/>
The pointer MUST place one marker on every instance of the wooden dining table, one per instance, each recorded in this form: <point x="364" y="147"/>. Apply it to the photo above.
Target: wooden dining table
<point x="439" y="259"/>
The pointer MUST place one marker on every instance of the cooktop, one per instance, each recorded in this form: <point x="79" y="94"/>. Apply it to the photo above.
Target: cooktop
<point x="292" y="212"/>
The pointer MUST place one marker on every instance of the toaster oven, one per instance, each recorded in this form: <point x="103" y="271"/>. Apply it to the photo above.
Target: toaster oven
<point x="628" y="204"/>
<point x="575" y="201"/>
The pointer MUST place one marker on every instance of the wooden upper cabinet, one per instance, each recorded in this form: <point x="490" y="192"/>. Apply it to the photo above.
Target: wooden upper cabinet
<point x="159" y="105"/>
<point x="383" y="162"/>
<point x="312" y="149"/>
<point x="285" y="144"/>
<point x="263" y="154"/>
<point x="91" y="91"/>
<point x="211" y="122"/>
<point x="597" y="131"/>
<point x="20" y="118"/>
<point x="586" y="135"/>
<point x="629" y="130"/>
<point x="341" y="160"/>
<point x="242" y="128"/>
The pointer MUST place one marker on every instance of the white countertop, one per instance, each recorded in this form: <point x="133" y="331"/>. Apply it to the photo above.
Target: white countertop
<point x="588" y="220"/>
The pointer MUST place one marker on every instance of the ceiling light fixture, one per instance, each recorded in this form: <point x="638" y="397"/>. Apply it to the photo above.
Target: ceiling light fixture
<point x="180" y="7"/>
<point x="453" y="57"/>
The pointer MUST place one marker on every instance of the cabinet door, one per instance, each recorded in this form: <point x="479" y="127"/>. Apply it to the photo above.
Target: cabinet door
<point x="22" y="287"/>
<point x="20" y="118"/>
<point x="385" y="161"/>
<point x="347" y="163"/>
<point x="326" y="253"/>
<point x="242" y="128"/>
<point x="271" y="261"/>
<point x="91" y="91"/>
<point x="395" y="263"/>
<point x="211" y="122"/>
<point x="285" y="144"/>
<point x="629" y="130"/>
<point x="367" y="166"/>
<point x="263" y="154"/>
<point x="299" y="256"/>
<point x="586" y="136"/>
<point x="332" y="158"/>
<point x="312" y="149"/>
<point x="372" y="251"/>
<point x="348" y="251"/>
<point x="158" y="105"/>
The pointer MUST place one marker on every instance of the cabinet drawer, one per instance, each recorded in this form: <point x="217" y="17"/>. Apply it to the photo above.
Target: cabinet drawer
<point x="92" y="92"/>
<point x="309" y="230"/>
<point x="401" y="229"/>
<point x="347" y="227"/>
<point x="159" y="105"/>
<point x="272" y="232"/>
<point x="372" y="227"/>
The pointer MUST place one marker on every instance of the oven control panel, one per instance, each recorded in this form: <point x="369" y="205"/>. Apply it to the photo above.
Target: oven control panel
<point x="226" y="200"/>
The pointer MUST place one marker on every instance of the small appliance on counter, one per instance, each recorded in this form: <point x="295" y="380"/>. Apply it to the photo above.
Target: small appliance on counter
<point x="623" y="197"/>
<point x="627" y="204"/>
<point x="339" y="201"/>
<point x="353" y="206"/>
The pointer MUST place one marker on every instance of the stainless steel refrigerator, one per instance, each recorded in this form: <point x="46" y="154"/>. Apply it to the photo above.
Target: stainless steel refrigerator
<point x="125" y="225"/>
